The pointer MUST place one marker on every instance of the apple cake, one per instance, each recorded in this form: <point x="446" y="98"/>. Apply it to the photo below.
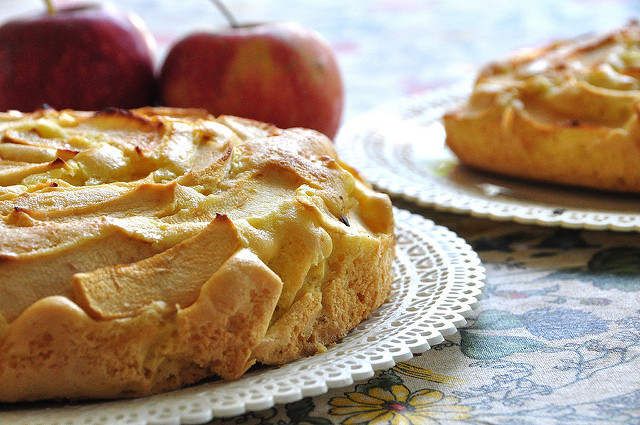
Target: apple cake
<point x="565" y="113"/>
<point x="145" y="250"/>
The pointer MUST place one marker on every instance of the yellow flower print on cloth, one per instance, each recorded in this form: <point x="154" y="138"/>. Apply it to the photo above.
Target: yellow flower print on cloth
<point x="398" y="406"/>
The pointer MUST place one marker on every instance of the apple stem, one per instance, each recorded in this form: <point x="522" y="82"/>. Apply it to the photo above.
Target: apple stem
<point x="222" y="8"/>
<point x="50" y="8"/>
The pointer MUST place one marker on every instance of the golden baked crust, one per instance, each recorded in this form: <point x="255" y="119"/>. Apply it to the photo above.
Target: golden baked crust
<point x="566" y="113"/>
<point x="144" y="250"/>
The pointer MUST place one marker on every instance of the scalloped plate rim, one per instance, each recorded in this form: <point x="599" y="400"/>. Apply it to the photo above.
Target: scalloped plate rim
<point x="445" y="195"/>
<point x="445" y="241"/>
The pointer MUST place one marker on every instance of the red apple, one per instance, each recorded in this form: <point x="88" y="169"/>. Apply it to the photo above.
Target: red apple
<point x="281" y="73"/>
<point x="84" y="57"/>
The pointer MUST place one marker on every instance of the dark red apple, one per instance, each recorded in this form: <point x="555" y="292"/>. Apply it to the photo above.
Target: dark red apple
<point x="84" y="57"/>
<point x="280" y="73"/>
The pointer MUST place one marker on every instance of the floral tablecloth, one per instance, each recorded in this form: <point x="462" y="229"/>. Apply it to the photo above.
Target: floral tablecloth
<point x="556" y="339"/>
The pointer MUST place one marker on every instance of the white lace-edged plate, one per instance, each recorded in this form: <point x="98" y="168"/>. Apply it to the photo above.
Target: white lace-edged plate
<point x="400" y="149"/>
<point x="438" y="281"/>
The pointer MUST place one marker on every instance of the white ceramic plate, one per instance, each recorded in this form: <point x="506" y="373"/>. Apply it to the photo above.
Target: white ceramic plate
<point x="438" y="281"/>
<point x="400" y="149"/>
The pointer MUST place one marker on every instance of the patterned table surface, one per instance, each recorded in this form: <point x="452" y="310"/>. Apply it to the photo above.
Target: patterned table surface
<point x="557" y="337"/>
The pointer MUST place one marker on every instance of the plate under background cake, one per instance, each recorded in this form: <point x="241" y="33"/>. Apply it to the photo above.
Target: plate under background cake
<point x="400" y="148"/>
